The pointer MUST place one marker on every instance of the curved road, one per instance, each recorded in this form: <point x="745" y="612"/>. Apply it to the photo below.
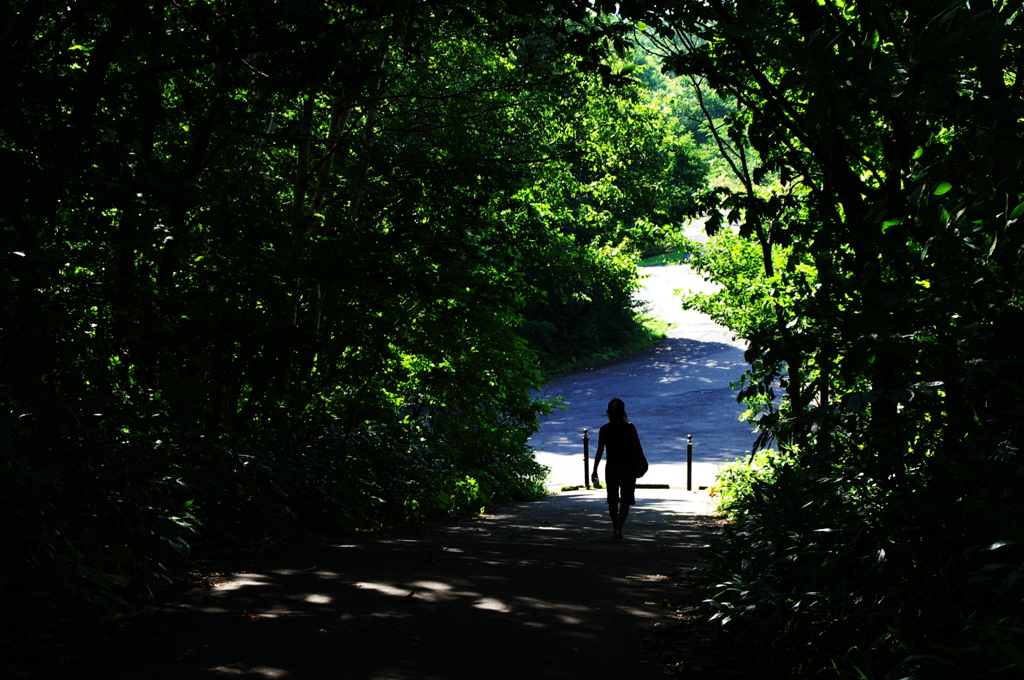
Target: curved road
<point x="679" y="387"/>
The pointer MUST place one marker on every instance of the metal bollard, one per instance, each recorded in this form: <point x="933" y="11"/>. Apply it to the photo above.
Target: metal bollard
<point x="689" y="462"/>
<point x="586" y="458"/>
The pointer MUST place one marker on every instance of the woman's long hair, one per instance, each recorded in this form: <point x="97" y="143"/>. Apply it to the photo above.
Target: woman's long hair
<point x="616" y="411"/>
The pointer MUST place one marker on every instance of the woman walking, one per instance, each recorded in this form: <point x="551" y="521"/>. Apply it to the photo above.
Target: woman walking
<point x="618" y="435"/>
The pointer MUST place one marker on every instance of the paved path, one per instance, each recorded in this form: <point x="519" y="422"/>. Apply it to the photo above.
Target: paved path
<point x="535" y="590"/>
<point x="678" y="388"/>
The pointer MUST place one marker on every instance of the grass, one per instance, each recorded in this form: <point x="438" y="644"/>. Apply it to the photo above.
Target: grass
<point x="674" y="257"/>
<point x="650" y="332"/>
<point x="578" y="487"/>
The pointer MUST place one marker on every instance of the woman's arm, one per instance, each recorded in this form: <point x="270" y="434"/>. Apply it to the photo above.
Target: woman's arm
<point x="600" y="452"/>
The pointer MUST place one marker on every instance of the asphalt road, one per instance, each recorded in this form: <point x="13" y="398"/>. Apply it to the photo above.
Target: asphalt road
<point x="680" y="387"/>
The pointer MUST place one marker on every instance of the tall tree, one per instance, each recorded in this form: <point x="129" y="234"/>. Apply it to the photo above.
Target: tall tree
<point x="894" y="130"/>
<point x="273" y="260"/>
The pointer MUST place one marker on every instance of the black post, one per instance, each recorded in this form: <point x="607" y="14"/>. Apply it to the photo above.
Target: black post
<point x="586" y="458"/>
<point x="689" y="462"/>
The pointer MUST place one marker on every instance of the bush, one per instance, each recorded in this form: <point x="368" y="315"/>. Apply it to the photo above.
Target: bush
<point x="735" y="480"/>
<point x="919" y="577"/>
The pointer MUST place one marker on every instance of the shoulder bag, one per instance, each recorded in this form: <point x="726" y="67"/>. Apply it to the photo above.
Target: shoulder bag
<point x="637" y="455"/>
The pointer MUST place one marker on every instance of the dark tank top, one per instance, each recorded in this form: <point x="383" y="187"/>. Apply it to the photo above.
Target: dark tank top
<point x="618" y="442"/>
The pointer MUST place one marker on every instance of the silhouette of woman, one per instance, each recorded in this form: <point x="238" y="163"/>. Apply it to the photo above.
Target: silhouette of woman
<point x="617" y="436"/>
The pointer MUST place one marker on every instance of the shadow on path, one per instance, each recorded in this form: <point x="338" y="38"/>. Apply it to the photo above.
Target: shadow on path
<point x="538" y="590"/>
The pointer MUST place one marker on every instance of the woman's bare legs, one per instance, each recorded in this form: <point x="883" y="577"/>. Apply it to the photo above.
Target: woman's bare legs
<point x="618" y="515"/>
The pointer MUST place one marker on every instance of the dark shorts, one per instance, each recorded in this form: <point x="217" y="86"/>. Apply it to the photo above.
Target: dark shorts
<point x="621" y="483"/>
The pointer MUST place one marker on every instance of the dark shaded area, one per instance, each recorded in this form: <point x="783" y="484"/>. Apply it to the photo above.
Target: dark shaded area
<point x="539" y="590"/>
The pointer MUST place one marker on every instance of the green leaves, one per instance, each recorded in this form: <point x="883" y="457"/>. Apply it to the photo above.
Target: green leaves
<point x="288" y="254"/>
<point x="895" y="133"/>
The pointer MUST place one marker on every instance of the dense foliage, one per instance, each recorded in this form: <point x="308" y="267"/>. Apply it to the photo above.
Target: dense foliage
<point x="272" y="260"/>
<point x="885" y="166"/>
<point x="276" y="262"/>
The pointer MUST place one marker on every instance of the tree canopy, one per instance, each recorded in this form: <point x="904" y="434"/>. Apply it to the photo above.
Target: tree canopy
<point x="882" y="198"/>
<point x="295" y="261"/>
